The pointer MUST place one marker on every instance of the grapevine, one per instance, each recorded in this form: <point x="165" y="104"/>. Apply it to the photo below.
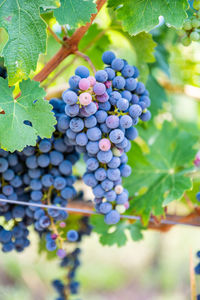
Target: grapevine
<point x="99" y="131"/>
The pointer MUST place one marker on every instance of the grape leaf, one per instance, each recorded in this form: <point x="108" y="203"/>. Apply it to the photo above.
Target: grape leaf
<point x="160" y="174"/>
<point x="138" y="16"/>
<point x="27" y="36"/>
<point x="94" y="43"/>
<point x="111" y="235"/>
<point x="144" y="47"/>
<point x="157" y="94"/>
<point x="75" y="12"/>
<point x="30" y="106"/>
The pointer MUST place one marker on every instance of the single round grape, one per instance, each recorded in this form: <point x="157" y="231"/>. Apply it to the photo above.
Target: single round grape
<point x="76" y="124"/>
<point x="107" y="185"/>
<point x="3" y="165"/>
<point x="101" y="76"/>
<point x="100" y="174"/>
<point x="101" y="116"/>
<point x="94" y="134"/>
<point x="99" y="88"/>
<point x="119" y="82"/>
<point x="91" y="108"/>
<point x="130" y="84"/>
<point x="103" y="98"/>
<point x="126" y="121"/>
<point x="122" y="104"/>
<point x="104" y="144"/>
<point x="131" y="133"/>
<point x="127" y="95"/>
<point x="187" y="25"/>
<point x="117" y="64"/>
<point x="135" y="110"/>
<point x="112" y="121"/>
<point x="89" y="179"/>
<point x="92" y="147"/>
<point x="112" y="217"/>
<point x="194" y="36"/>
<point x="186" y="41"/>
<point x="85" y="98"/>
<point x="82" y="71"/>
<point x="105" y="207"/>
<point x="92" y="80"/>
<point x="90" y="122"/>
<point x="110" y="196"/>
<point x="59" y="183"/>
<point x="145" y="116"/>
<point x="92" y="164"/>
<point x="105" y="156"/>
<point x="84" y="84"/>
<point x="127" y="71"/>
<point x="116" y="136"/>
<point x="114" y="163"/>
<point x="111" y="73"/>
<point x="74" y="81"/>
<point x="113" y="174"/>
<point x="125" y="170"/>
<point x="114" y="97"/>
<point x="72" y="110"/>
<point x="98" y="191"/>
<point x="81" y="139"/>
<point x="108" y="57"/>
<point x="69" y="97"/>
<point x="45" y="145"/>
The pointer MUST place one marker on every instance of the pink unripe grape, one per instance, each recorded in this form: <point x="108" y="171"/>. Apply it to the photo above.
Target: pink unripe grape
<point x="62" y="224"/>
<point x="108" y="84"/>
<point x="92" y="80"/>
<point x="54" y="236"/>
<point x="85" y="98"/>
<point x="84" y="84"/>
<point x="119" y="189"/>
<point x="61" y="253"/>
<point x="104" y="144"/>
<point x="103" y="98"/>
<point x="126" y="205"/>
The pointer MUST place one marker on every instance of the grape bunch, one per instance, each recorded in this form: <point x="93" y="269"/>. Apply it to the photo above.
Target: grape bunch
<point x="191" y="29"/>
<point x="39" y="175"/>
<point x="71" y="262"/>
<point x="103" y="112"/>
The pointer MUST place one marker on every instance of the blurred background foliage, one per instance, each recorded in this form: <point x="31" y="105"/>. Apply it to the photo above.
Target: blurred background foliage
<point x="157" y="267"/>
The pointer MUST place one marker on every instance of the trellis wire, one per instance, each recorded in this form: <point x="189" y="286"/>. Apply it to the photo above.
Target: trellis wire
<point x="90" y="212"/>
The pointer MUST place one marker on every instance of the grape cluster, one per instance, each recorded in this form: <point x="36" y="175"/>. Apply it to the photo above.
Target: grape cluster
<point x="191" y="29"/>
<point x="103" y="111"/>
<point x="71" y="262"/>
<point x="41" y="175"/>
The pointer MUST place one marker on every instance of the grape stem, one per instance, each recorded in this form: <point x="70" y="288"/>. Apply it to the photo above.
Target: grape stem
<point x="55" y="35"/>
<point x="87" y="59"/>
<point x="70" y="46"/>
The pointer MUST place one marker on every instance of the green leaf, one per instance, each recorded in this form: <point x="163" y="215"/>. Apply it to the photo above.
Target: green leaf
<point x="157" y="94"/>
<point x="111" y="235"/>
<point x="144" y="47"/>
<point x="135" y="231"/>
<point x="138" y="16"/>
<point x="94" y="43"/>
<point x="27" y="36"/>
<point x="75" y="12"/>
<point x="160" y="176"/>
<point x="30" y="106"/>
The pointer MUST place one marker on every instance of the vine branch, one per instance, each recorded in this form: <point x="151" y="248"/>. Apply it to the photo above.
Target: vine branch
<point x="86" y="58"/>
<point x="69" y="47"/>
